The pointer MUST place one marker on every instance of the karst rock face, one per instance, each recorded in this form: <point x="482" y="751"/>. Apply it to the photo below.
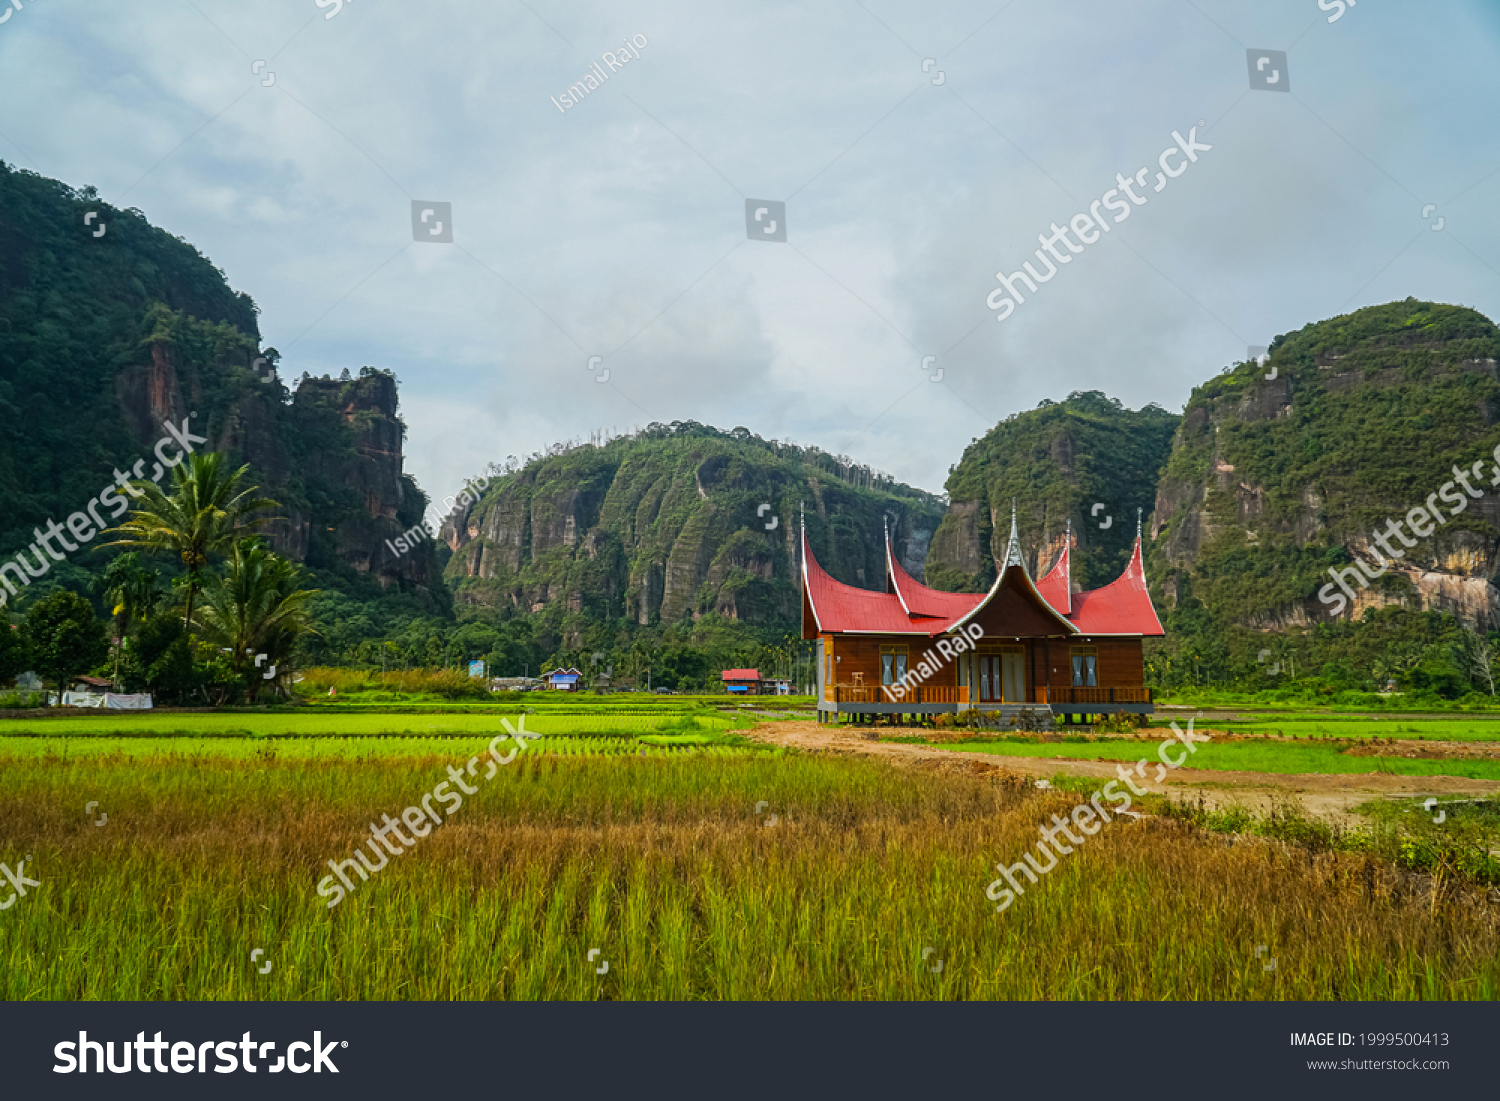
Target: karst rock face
<point x="338" y="441"/>
<point x="1085" y="464"/>
<point x="677" y="522"/>
<point x="105" y="339"/>
<point x="1283" y="470"/>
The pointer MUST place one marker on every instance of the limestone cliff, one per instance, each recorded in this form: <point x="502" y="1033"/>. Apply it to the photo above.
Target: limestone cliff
<point x="1283" y="470"/>
<point x="105" y="336"/>
<point x="676" y="523"/>
<point x="1087" y="460"/>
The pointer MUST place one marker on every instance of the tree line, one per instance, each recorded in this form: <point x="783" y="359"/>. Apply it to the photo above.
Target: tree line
<point x="224" y="629"/>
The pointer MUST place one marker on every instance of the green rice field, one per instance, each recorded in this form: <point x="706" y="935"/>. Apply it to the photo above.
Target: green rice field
<point x="700" y="864"/>
<point x="1253" y="756"/>
<point x="315" y="722"/>
<point x="1465" y="728"/>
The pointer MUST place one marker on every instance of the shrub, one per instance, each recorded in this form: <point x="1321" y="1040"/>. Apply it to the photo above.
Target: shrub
<point x="447" y="683"/>
<point x="1121" y="722"/>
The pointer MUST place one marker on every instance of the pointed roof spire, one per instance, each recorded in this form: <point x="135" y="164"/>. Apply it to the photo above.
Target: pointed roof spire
<point x="1137" y="523"/>
<point x="1056" y="588"/>
<point x="1019" y="582"/>
<point x="892" y="579"/>
<point x="802" y="538"/>
<point x="1013" y="551"/>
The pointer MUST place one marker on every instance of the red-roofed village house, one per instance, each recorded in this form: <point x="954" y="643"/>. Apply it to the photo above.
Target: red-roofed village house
<point x="746" y="681"/>
<point x="1022" y="645"/>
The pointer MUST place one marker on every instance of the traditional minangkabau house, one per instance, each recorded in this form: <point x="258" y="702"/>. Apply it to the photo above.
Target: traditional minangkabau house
<point x="1023" y="645"/>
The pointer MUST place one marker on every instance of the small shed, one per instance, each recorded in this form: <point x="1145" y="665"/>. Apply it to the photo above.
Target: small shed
<point x="743" y="681"/>
<point x="564" y="680"/>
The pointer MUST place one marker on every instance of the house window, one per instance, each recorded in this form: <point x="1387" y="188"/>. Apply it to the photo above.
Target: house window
<point x="892" y="664"/>
<point x="1085" y="667"/>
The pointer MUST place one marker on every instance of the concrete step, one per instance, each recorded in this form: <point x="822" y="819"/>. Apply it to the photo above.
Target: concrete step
<point x="1025" y="716"/>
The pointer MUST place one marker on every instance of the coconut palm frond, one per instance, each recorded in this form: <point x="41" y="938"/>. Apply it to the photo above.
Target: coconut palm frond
<point x="258" y="608"/>
<point x="208" y="508"/>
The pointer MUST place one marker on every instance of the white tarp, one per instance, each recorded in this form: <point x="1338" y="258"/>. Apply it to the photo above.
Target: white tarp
<point x="81" y="699"/>
<point x="116" y="701"/>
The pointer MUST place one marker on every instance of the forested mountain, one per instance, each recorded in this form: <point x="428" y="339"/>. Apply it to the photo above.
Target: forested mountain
<point x="111" y="328"/>
<point x="1056" y="462"/>
<point x="671" y="526"/>
<point x="1282" y="471"/>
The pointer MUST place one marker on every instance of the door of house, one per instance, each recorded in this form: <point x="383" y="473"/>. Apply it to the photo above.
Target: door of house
<point x="1013" y="676"/>
<point x="989" y="678"/>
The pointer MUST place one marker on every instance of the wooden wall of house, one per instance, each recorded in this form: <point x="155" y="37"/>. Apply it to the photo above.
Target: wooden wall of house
<point x="1049" y="660"/>
<point x="861" y="654"/>
<point x="1015" y="611"/>
<point x="1121" y="661"/>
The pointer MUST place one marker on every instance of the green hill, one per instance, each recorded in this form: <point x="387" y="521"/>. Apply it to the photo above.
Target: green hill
<point x="1057" y="462"/>
<point x="104" y="339"/>
<point x="681" y="526"/>
<point x="1273" y="481"/>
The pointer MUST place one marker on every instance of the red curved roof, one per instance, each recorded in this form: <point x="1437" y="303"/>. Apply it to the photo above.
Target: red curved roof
<point x="842" y="609"/>
<point x="907" y="607"/>
<point x="919" y="600"/>
<point x="1057" y="587"/>
<point x="1123" y="607"/>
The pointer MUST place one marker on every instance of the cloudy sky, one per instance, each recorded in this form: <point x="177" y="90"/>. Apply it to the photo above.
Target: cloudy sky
<point x="918" y="153"/>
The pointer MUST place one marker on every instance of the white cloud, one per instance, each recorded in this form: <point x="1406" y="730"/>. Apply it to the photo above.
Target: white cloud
<point x="904" y="197"/>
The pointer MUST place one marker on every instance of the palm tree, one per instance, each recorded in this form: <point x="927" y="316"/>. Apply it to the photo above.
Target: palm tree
<point x="651" y="655"/>
<point x="207" y="509"/>
<point x="1475" y="657"/>
<point x="131" y="590"/>
<point x="257" y="610"/>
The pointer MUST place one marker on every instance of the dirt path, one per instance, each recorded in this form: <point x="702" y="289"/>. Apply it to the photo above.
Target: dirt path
<point x="1328" y="796"/>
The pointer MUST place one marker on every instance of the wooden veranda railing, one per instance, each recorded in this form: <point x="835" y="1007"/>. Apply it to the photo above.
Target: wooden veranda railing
<point x="917" y="693"/>
<point x="950" y="694"/>
<point x="1078" y="695"/>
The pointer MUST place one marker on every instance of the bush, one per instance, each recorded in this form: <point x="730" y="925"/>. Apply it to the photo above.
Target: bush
<point x="1121" y="722"/>
<point x="447" y="683"/>
<point x="158" y="660"/>
<point x="318" y="680"/>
